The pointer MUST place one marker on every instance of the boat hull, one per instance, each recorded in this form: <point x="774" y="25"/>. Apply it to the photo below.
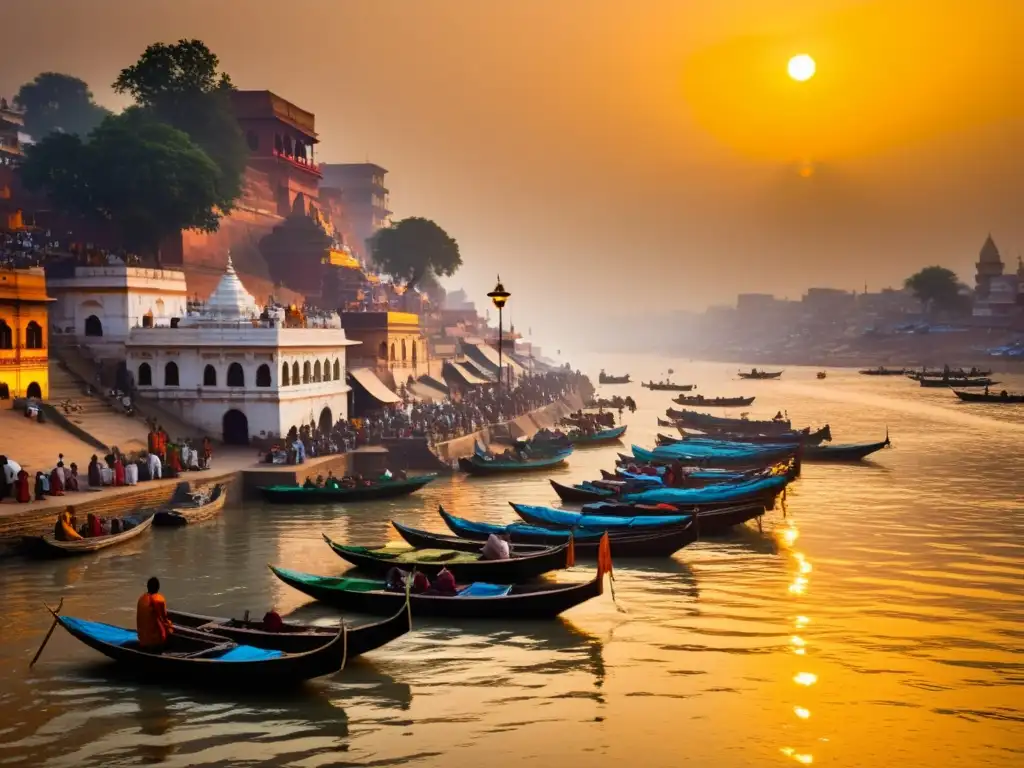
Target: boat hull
<point x="48" y="547"/>
<point x="287" y="494"/>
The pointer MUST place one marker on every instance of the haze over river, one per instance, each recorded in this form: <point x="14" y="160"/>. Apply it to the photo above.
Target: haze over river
<point x="880" y="622"/>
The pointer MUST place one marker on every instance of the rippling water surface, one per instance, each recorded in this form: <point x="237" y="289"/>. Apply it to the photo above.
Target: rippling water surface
<point x="880" y="621"/>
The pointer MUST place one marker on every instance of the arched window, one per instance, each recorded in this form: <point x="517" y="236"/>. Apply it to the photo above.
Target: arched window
<point x="392" y="351"/>
<point x="145" y="376"/>
<point x="327" y="370"/>
<point x="295" y="373"/>
<point x="93" y="326"/>
<point x="316" y="371"/>
<point x="263" y="376"/>
<point x="383" y="353"/>
<point x="209" y="376"/>
<point x="305" y="372"/>
<point x="33" y="336"/>
<point x="404" y="355"/>
<point x="284" y="374"/>
<point x="171" y="375"/>
<point x="337" y="369"/>
<point x="236" y="376"/>
<point x="6" y="337"/>
<point x="415" y="346"/>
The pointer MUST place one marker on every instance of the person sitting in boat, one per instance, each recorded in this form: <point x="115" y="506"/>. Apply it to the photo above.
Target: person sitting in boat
<point x="388" y="475"/>
<point x="272" y="621"/>
<point x="151" y="621"/>
<point x="93" y="527"/>
<point x="444" y="584"/>
<point x="320" y="481"/>
<point x="395" y="580"/>
<point x="331" y="481"/>
<point x="401" y="474"/>
<point x="115" y="525"/>
<point x="496" y="548"/>
<point x="63" y="530"/>
<point x="309" y="483"/>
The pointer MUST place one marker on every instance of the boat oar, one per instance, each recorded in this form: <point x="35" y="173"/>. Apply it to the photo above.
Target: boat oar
<point x="48" y="634"/>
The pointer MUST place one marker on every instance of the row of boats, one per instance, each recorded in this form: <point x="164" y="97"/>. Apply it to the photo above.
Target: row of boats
<point x="957" y="379"/>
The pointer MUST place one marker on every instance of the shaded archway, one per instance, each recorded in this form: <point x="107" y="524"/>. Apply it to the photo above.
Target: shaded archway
<point x="415" y="357"/>
<point x="236" y="428"/>
<point x="383" y="352"/>
<point x="326" y="421"/>
<point x="392" y="351"/>
<point x="263" y="376"/>
<point x="306" y="372"/>
<point x="209" y="376"/>
<point x="33" y="336"/>
<point x="236" y="376"/>
<point x="295" y="373"/>
<point x="285" y="377"/>
<point x="34" y="391"/>
<point x="327" y="370"/>
<point x="6" y="336"/>
<point x="337" y="369"/>
<point x="171" y="375"/>
<point x="145" y="377"/>
<point x="93" y="326"/>
<point x="316" y="371"/>
<point x="404" y="355"/>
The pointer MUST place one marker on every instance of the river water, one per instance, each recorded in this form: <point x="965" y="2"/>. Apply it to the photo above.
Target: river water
<point x="880" y="621"/>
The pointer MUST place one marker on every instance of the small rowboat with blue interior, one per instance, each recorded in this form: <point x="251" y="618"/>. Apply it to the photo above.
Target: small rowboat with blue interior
<point x="481" y="465"/>
<point x="560" y="519"/>
<point x="475" y="601"/>
<point x="464" y="566"/>
<point x="211" y="660"/>
<point x="378" y="489"/>
<point x="296" y="638"/>
<point x="596" y="438"/>
<point x="713" y="521"/>
<point x="526" y="538"/>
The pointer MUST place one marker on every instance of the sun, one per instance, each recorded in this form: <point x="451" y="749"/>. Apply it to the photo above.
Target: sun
<point x="801" y="67"/>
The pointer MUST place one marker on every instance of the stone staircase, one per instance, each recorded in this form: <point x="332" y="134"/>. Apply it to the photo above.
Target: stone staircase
<point x="98" y="416"/>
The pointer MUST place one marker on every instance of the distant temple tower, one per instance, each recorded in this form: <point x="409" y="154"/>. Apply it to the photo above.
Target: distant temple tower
<point x="989" y="266"/>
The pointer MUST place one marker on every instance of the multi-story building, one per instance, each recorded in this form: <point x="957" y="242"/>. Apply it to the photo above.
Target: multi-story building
<point x="24" y="334"/>
<point x="393" y="344"/>
<point x="365" y="198"/>
<point x="12" y="125"/>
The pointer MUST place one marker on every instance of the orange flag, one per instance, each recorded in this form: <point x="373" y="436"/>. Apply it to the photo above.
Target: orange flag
<point x="604" y="556"/>
<point x="570" y="556"/>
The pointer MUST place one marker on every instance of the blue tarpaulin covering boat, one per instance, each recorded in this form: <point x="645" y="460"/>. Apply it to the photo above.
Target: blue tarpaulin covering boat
<point x="560" y="518"/>
<point x="711" y="494"/>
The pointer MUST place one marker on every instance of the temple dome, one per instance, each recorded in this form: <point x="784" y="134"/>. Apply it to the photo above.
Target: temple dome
<point x="230" y="300"/>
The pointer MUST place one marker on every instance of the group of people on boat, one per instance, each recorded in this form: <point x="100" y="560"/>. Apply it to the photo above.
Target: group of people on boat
<point x="443" y="584"/>
<point x="66" y="527"/>
<point x="352" y="481"/>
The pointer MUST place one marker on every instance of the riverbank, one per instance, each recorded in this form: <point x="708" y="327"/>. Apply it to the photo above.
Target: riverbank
<point x="237" y="469"/>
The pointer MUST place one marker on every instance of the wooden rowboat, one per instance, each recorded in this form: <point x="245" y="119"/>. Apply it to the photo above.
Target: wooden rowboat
<point x="599" y="437"/>
<point x="989" y="397"/>
<point x="713" y="402"/>
<point x="297" y="638"/>
<point x="197" y="512"/>
<point x="519" y="567"/>
<point x="208" y="660"/>
<point x="382" y="489"/>
<point x="479" y="466"/>
<point x="508" y="602"/>
<point x="49" y="546"/>
<point x="530" y="538"/>
<point x="669" y="387"/>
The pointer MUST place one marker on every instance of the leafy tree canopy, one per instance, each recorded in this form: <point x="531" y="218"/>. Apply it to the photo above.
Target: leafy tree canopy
<point x="180" y="84"/>
<point x="414" y="248"/>
<point x="146" y="178"/>
<point x="937" y="288"/>
<point x="54" y="102"/>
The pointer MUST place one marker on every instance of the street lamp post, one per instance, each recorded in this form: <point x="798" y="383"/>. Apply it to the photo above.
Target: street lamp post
<point x="499" y="296"/>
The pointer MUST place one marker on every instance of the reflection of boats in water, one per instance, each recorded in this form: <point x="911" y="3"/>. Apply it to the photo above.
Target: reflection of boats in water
<point x="111" y="702"/>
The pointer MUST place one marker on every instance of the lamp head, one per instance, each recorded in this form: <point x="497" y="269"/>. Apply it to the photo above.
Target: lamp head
<point x="499" y="295"/>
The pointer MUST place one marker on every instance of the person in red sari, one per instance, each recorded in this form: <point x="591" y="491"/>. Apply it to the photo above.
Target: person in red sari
<point x="23" y="494"/>
<point x="174" y="460"/>
<point x="118" y="470"/>
<point x="56" y="485"/>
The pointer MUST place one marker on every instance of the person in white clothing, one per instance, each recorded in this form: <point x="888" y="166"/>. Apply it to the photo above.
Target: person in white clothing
<point x="496" y="548"/>
<point x="155" y="467"/>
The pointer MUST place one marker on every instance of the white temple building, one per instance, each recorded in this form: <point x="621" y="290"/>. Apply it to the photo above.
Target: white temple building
<point x="237" y="371"/>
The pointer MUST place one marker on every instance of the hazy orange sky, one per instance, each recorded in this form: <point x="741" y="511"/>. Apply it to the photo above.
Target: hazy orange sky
<point x="628" y="155"/>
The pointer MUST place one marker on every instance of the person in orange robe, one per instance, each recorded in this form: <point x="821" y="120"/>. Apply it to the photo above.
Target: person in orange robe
<point x="151" y="621"/>
<point x="118" y="470"/>
<point x="174" y="460"/>
<point x="24" y="495"/>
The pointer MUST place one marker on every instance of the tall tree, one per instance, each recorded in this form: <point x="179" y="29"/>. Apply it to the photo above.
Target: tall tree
<point x="146" y="178"/>
<point x="180" y="84"/>
<point x="54" y="102"/>
<point x="937" y="288"/>
<point x="413" y="248"/>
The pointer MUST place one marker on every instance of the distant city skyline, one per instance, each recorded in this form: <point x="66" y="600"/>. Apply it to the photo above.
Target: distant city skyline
<point x="657" y="151"/>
